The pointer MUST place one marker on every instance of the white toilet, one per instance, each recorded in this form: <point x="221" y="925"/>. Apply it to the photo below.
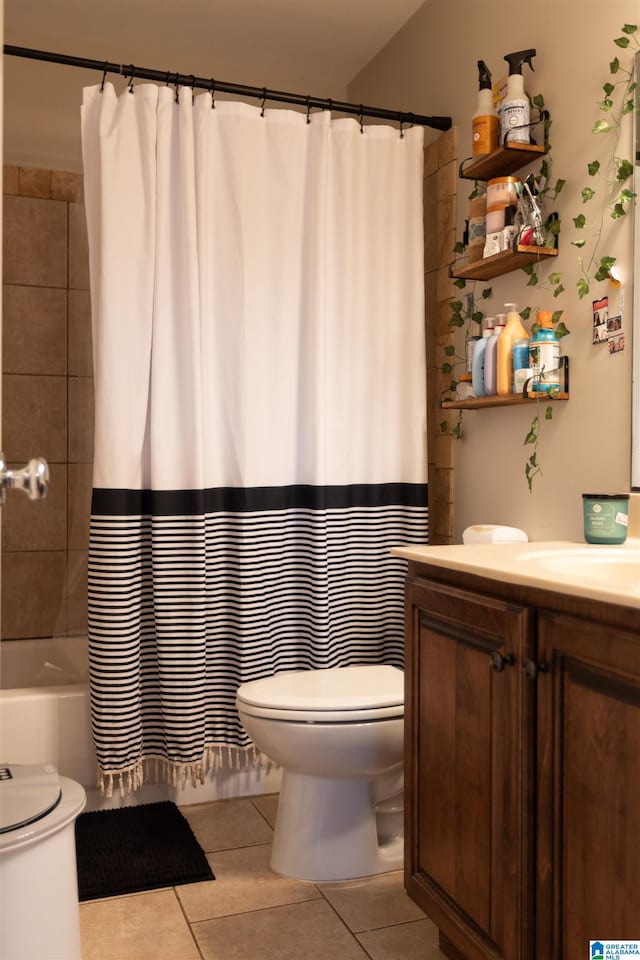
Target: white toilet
<point x="39" y="914"/>
<point x="338" y="736"/>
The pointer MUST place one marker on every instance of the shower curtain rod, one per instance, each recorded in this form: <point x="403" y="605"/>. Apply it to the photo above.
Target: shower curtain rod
<point x="218" y="86"/>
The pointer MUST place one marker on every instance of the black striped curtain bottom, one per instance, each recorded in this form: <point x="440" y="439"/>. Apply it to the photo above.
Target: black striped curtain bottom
<point x="192" y="593"/>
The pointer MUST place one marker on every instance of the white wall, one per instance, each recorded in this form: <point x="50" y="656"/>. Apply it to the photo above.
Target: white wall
<point x="430" y="67"/>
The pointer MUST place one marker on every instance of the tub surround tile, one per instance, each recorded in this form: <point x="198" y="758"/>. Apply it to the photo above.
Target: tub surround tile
<point x="406" y="941"/>
<point x="81" y="405"/>
<point x="268" y="807"/>
<point x="236" y="823"/>
<point x="372" y="902"/>
<point x="10" y="180"/>
<point x="78" y="248"/>
<point x="34" y="330"/>
<point x="35" y="417"/>
<point x="66" y="186"/>
<point x="79" y="509"/>
<point x="147" y="926"/>
<point x="76" y="592"/>
<point x="32" y="594"/>
<point x="244" y="882"/>
<point x="80" y="350"/>
<point x="35" y="242"/>
<point x="37" y="526"/>
<point x="310" y="930"/>
<point x="34" y="182"/>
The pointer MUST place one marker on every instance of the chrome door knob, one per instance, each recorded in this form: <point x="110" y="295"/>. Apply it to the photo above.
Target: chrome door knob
<point x="33" y="479"/>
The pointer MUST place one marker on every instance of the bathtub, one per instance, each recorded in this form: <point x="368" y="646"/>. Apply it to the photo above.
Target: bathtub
<point x="45" y="717"/>
<point x="44" y="705"/>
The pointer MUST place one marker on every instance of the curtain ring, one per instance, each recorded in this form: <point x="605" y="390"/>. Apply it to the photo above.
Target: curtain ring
<point x="133" y="72"/>
<point x="401" y="119"/>
<point x="329" y="106"/>
<point x="104" y="76"/>
<point x="264" y="100"/>
<point x="361" y="118"/>
<point x="308" y="109"/>
<point x="166" y="82"/>
<point x="177" y="93"/>
<point x="213" y="94"/>
<point x="193" y="88"/>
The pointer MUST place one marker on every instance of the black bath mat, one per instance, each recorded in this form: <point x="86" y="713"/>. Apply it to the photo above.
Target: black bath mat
<point x="136" y="848"/>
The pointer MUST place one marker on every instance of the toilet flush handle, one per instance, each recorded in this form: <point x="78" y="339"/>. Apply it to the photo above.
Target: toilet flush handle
<point x="33" y="479"/>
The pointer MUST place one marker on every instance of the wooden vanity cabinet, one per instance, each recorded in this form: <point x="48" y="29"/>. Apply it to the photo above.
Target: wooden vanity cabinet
<point x="522" y="777"/>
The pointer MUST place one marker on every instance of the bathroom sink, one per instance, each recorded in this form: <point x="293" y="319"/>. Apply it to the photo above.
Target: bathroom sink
<point x="591" y="564"/>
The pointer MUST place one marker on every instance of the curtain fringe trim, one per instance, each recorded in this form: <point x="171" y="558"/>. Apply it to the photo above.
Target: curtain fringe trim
<point x="154" y="769"/>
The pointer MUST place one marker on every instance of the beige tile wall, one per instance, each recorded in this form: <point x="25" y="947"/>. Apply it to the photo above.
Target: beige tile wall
<point x="47" y="401"/>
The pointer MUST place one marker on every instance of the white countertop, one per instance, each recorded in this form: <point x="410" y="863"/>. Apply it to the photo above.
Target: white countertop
<point x="599" y="572"/>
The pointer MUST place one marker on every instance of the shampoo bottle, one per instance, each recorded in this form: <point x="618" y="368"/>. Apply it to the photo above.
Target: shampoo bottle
<point x="515" y="115"/>
<point x="544" y="354"/>
<point x="484" y="138"/>
<point x="513" y="330"/>
<point x="490" y="357"/>
<point x="477" y="366"/>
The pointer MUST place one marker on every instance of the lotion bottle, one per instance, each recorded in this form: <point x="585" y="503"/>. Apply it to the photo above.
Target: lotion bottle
<point x="485" y="122"/>
<point x="477" y="366"/>
<point x="516" y="112"/>
<point x="514" y="330"/>
<point x="490" y="357"/>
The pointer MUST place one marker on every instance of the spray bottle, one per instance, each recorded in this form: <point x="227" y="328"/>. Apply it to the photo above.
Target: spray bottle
<point x="515" y="106"/>
<point x="485" y="124"/>
<point x="490" y="383"/>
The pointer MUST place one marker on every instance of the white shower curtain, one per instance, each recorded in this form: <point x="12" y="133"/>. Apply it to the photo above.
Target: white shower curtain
<point x="258" y="320"/>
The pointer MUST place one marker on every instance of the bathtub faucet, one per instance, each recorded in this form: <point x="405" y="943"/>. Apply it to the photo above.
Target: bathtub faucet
<point x="33" y="479"/>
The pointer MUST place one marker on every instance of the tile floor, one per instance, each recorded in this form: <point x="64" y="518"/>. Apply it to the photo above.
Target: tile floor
<point x="250" y="913"/>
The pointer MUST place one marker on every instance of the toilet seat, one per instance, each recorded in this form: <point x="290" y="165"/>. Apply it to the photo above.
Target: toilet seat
<point x="332" y="695"/>
<point x="27" y="794"/>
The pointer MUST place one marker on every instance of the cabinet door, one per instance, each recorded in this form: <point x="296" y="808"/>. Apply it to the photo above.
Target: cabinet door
<point x="469" y="769"/>
<point x="589" y="787"/>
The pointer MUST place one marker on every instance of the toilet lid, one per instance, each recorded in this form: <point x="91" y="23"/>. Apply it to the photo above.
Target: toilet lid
<point x="27" y="793"/>
<point x="335" y="689"/>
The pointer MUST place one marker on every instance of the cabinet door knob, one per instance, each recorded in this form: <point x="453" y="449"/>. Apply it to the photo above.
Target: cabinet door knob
<point x="532" y="669"/>
<point x="499" y="661"/>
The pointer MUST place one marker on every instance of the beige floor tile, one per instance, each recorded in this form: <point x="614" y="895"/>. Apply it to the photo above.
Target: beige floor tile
<point x="268" y="806"/>
<point x="226" y="824"/>
<point x="310" y="930"/>
<point x="371" y="903"/>
<point x="243" y="882"/>
<point x="404" y="941"/>
<point x="148" y="926"/>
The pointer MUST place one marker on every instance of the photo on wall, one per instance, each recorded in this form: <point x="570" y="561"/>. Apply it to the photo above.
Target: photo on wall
<point x="600" y="319"/>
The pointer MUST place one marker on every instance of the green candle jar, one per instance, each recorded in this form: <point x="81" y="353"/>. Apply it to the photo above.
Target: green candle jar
<point x="605" y="517"/>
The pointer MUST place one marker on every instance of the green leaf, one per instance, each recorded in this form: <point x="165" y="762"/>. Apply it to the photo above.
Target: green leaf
<point x="532" y="435"/>
<point x="529" y="268"/>
<point x="446" y="368"/>
<point x="608" y="89"/>
<point x="614" y="66"/>
<point x="538" y="101"/>
<point x="606" y="104"/>
<point x="626" y="195"/>
<point x="583" y="287"/>
<point x="558" y="291"/>
<point x="555" y="278"/>
<point x="526" y="313"/>
<point x="548" y="414"/>
<point x="603" y="271"/>
<point x="593" y="167"/>
<point x="556" y="316"/>
<point x="456" y="321"/>
<point x="456" y="306"/>
<point x="618" y="211"/>
<point x="450" y="349"/>
<point x="486" y="293"/>
<point x="559" y="185"/>
<point x="624" y="170"/>
<point x="458" y="247"/>
<point x="561" y="331"/>
<point x="444" y="426"/>
<point x="460" y="283"/>
<point x="578" y="243"/>
<point x="601" y="126"/>
<point x="629" y="28"/>
<point x="553" y="394"/>
<point x="622" y="42"/>
<point x="629" y="107"/>
<point x="587" y="194"/>
<point x="579" y="222"/>
<point x="477" y="316"/>
<point x="532" y="281"/>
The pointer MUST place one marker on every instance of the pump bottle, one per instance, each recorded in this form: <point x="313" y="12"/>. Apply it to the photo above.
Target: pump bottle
<point x="485" y="124"/>
<point x="514" y="330"/>
<point x="516" y="113"/>
<point x="477" y="365"/>
<point x="490" y="386"/>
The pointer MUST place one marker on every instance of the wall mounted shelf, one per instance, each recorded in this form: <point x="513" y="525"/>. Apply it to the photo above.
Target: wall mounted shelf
<point x="501" y="162"/>
<point x="500" y="263"/>
<point x="512" y="400"/>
